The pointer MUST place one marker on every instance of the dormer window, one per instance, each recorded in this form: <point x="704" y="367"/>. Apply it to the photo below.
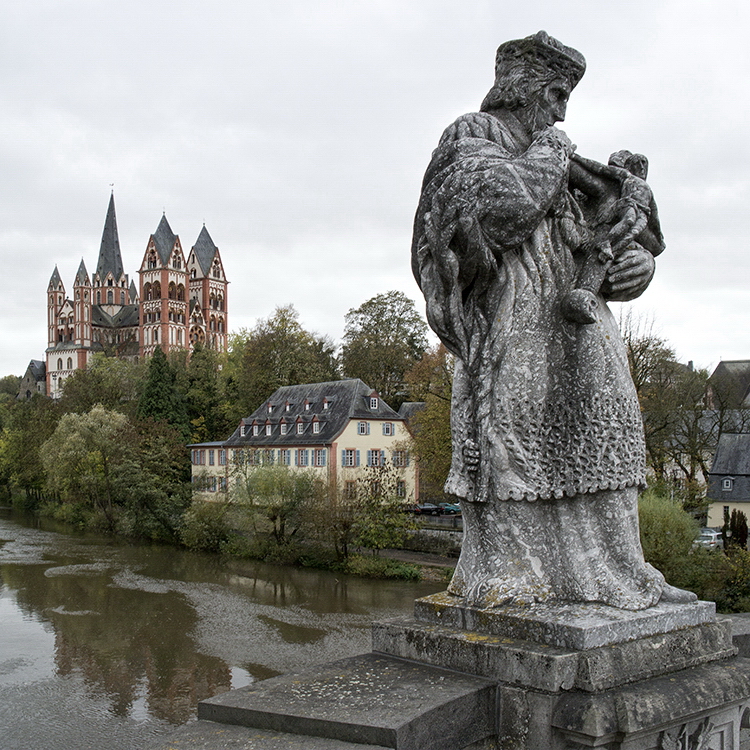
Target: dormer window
<point x="326" y="402"/>
<point x="727" y="483"/>
<point x="256" y="430"/>
<point x="283" y="427"/>
<point x="268" y="429"/>
<point x="242" y="430"/>
<point x="373" y="402"/>
<point x="307" y="406"/>
<point x="287" y="406"/>
<point x="269" y="408"/>
<point x="300" y="428"/>
<point x="316" y="427"/>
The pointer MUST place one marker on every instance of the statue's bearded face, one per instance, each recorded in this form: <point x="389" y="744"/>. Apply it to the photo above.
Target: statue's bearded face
<point x="547" y="106"/>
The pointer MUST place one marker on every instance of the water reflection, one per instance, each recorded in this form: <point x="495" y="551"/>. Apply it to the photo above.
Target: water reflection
<point x="134" y="636"/>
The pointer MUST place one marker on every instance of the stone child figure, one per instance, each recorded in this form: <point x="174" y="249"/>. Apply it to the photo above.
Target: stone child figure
<point x="548" y="449"/>
<point x="624" y="204"/>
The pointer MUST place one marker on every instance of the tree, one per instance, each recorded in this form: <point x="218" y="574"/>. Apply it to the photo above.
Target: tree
<point x="384" y="338"/>
<point x="114" y="383"/>
<point x="161" y="399"/>
<point x="10" y="385"/>
<point x="681" y="432"/>
<point x="279" y="495"/>
<point x="28" y="425"/>
<point x="203" y="396"/>
<point x="82" y="455"/>
<point x="278" y="351"/>
<point x="431" y="381"/>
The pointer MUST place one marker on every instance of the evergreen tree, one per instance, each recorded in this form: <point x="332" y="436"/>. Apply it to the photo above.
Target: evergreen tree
<point x="161" y="400"/>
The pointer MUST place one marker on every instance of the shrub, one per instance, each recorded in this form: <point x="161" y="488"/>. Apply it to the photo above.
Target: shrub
<point x="205" y="528"/>
<point x="667" y="534"/>
<point x="381" y="567"/>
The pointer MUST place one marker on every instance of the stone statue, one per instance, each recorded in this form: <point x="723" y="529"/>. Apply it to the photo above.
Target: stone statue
<point x="518" y="244"/>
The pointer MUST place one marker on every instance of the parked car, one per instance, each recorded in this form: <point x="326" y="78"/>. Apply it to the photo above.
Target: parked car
<point x="710" y="538"/>
<point x="450" y="509"/>
<point x="429" y="509"/>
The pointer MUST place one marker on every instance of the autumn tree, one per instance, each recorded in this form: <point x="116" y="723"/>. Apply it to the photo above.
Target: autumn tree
<point x="384" y="338"/>
<point x="431" y="381"/>
<point x="278" y="351"/>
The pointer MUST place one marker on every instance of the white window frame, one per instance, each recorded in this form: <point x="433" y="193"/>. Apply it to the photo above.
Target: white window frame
<point x="316" y="427"/>
<point x="373" y="402"/>
<point x="300" y="428"/>
<point x="363" y="428"/>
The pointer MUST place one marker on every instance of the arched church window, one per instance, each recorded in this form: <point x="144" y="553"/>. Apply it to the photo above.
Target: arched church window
<point x="98" y="298"/>
<point x="110" y="297"/>
<point x="59" y="363"/>
<point x="70" y="363"/>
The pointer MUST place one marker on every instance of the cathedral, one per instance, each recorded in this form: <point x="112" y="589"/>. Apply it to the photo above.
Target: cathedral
<point x="177" y="304"/>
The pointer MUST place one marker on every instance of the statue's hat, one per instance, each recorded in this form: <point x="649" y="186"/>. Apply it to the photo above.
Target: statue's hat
<point x="540" y="51"/>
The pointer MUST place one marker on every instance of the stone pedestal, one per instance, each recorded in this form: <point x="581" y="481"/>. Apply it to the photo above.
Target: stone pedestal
<point x="578" y="676"/>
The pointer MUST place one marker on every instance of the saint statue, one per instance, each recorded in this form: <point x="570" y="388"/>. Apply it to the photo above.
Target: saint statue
<point x="518" y="245"/>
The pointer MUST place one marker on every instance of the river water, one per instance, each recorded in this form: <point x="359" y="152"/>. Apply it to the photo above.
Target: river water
<point x="105" y="644"/>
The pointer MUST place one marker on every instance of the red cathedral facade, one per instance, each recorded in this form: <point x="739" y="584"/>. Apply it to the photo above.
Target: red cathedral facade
<point x="179" y="302"/>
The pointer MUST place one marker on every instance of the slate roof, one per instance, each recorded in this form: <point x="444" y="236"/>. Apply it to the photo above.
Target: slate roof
<point x="37" y="369"/>
<point x="205" y="250"/>
<point x="346" y="399"/>
<point x="54" y="280"/>
<point x="110" y="260"/>
<point x="82" y="276"/>
<point x="409" y="408"/>
<point x="737" y="371"/>
<point x="126" y="317"/>
<point x="164" y="239"/>
<point x="732" y="460"/>
<point x="732" y="455"/>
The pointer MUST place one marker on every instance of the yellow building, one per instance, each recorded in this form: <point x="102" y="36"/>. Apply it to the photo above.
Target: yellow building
<point x="338" y="428"/>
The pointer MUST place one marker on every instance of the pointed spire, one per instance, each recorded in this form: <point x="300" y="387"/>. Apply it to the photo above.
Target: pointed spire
<point x="133" y="293"/>
<point x="110" y="260"/>
<point x="82" y="277"/>
<point x="54" y="281"/>
<point x="164" y="239"/>
<point x="205" y="250"/>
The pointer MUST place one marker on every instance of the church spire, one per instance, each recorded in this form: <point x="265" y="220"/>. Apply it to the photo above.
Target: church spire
<point x="110" y="260"/>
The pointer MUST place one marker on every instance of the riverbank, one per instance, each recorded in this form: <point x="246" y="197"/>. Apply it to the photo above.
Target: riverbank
<point x="114" y="642"/>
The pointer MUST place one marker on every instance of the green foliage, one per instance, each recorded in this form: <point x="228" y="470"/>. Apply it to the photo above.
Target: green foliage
<point x="431" y="381"/>
<point x="278" y="351"/>
<point x="384" y="338"/>
<point x="161" y="400"/>
<point x="205" y="527"/>
<point x="113" y="383"/>
<point x="280" y="496"/>
<point x="738" y="529"/>
<point x="379" y="567"/>
<point x="28" y="425"/>
<point x="667" y="533"/>
<point x="365" y="512"/>
<point x="9" y="385"/>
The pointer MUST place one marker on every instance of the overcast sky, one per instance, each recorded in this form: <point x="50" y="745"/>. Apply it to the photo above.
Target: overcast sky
<point x="299" y="131"/>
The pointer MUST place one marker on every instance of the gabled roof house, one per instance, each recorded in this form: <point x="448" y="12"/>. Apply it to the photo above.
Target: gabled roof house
<point x="337" y="427"/>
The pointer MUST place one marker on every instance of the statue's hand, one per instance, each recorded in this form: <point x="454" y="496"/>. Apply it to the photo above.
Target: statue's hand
<point x="557" y="139"/>
<point x="630" y="274"/>
<point x="471" y="455"/>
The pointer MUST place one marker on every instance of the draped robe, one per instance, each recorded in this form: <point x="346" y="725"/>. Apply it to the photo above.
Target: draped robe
<point x="550" y="510"/>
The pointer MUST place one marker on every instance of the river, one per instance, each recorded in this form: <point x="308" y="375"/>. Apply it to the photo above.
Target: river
<point x="111" y="644"/>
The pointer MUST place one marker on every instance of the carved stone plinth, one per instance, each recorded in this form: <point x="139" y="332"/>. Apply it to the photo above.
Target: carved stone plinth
<point x="578" y="676"/>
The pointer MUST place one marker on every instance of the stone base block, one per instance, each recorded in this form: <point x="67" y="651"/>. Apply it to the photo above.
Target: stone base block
<point x="550" y="668"/>
<point x="570" y="626"/>
<point x="207" y="735"/>
<point x="371" y="700"/>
